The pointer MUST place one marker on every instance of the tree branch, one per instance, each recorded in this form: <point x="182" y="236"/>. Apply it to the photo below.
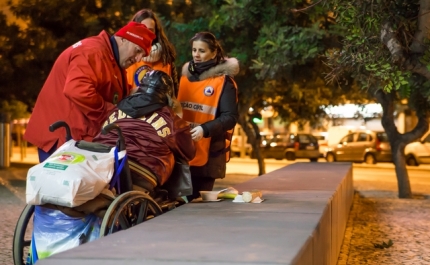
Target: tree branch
<point x="389" y="39"/>
<point x="417" y="45"/>
<point x="303" y="9"/>
<point x="412" y="63"/>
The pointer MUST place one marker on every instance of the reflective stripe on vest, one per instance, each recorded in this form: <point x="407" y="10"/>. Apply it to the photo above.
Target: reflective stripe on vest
<point x="199" y="102"/>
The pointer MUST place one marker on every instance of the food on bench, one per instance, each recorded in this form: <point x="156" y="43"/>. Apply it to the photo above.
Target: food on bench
<point x="209" y="195"/>
<point x="228" y="193"/>
<point x="249" y="196"/>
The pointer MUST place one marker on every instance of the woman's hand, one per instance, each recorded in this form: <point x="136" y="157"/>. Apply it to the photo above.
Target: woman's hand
<point x="197" y="133"/>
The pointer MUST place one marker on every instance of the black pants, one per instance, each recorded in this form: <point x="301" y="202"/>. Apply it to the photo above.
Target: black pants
<point x="200" y="183"/>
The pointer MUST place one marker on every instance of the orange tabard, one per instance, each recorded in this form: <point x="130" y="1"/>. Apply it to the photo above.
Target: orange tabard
<point x="136" y="72"/>
<point x="199" y="102"/>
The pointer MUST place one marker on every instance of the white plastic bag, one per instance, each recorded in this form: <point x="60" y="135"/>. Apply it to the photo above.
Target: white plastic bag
<point x="70" y="176"/>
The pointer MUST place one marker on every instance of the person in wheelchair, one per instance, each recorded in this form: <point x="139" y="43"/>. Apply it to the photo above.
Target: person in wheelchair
<point x="155" y="136"/>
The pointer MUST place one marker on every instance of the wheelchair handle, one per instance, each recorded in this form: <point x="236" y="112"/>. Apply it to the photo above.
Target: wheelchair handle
<point x="121" y="142"/>
<point x="60" y="124"/>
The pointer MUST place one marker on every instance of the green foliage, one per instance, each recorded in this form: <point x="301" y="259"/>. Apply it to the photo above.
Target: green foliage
<point x="279" y="45"/>
<point x="279" y="52"/>
<point x="15" y="108"/>
<point x="9" y="51"/>
<point x="51" y="27"/>
<point x="363" y="53"/>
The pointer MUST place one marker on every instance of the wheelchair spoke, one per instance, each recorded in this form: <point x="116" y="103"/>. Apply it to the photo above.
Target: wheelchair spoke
<point x="143" y="212"/>
<point x="119" y="221"/>
<point x="123" y="222"/>
<point x="127" y="210"/>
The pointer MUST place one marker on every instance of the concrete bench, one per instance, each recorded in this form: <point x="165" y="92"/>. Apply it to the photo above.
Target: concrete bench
<point x="301" y="221"/>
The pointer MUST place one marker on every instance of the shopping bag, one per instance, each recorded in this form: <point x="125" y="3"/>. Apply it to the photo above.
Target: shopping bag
<point x="70" y="177"/>
<point x="179" y="182"/>
<point x="55" y="232"/>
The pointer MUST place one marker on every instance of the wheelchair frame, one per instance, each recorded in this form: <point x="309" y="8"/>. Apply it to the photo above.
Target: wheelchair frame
<point x="128" y="209"/>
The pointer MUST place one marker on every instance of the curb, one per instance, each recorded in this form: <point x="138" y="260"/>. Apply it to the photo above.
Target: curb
<point x="286" y="163"/>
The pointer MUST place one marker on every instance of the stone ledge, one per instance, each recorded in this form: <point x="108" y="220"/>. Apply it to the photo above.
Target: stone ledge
<point x="301" y="221"/>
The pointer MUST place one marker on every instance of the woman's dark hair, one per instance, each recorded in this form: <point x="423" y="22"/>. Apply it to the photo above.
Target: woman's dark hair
<point x="212" y="43"/>
<point x="168" y="56"/>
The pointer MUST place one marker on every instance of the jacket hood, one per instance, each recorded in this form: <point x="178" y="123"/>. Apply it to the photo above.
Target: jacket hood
<point x="229" y="67"/>
<point x="140" y="104"/>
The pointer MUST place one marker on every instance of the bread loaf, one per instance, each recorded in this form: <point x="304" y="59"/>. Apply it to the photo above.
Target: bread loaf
<point x="249" y="196"/>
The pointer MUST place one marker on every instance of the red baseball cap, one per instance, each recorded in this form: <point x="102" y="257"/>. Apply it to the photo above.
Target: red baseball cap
<point x="139" y="34"/>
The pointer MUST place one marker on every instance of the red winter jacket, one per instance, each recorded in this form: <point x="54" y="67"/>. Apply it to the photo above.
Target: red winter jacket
<point x="81" y="89"/>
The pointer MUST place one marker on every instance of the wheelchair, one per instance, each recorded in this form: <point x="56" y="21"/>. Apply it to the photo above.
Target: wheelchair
<point x="128" y="208"/>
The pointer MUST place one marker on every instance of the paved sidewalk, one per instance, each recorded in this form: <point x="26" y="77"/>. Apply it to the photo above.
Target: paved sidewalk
<point x="377" y="216"/>
<point x="24" y="156"/>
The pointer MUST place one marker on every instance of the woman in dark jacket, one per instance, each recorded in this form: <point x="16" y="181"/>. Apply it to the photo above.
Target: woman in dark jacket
<point x="208" y="95"/>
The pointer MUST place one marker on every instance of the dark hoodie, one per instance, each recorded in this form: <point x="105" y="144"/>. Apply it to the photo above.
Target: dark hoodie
<point x="139" y="104"/>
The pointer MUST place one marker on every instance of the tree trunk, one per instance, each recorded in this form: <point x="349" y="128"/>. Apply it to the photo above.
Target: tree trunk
<point x="399" y="141"/>
<point x="253" y="134"/>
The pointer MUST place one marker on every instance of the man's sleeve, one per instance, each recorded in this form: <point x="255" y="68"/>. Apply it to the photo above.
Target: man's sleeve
<point x="81" y="88"/>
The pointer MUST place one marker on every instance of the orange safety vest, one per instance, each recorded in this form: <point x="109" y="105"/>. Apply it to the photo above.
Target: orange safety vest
<point x="136" y="72"/>
<point x="199" y="101"/>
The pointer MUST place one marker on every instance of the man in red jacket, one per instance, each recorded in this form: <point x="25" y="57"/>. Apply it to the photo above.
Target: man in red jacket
<point x="86" y="82"/>
<point x="154" y="135"/>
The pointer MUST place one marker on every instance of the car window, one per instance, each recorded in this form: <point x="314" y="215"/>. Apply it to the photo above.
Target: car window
<point x="362" y="137"/>
<point x="382" y="136"/>
<point x="279" y="139"/>
<point x="348" y="139"/>
<point x="292" y="138"/>
<point x="304" y="139"/>
<point x="312" y="139"/>
<point x="266" y="139"/>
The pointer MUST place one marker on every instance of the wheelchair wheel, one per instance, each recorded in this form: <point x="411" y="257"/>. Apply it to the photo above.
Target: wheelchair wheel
<point x="127" y="210"/>
<point x="22" y="236"/>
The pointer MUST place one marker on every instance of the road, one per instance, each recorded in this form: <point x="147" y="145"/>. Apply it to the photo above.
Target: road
<point x="12" y="189"/>
<point x="240" y="170"/>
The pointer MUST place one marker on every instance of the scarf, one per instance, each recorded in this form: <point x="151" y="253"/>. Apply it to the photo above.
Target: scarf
<point x="197" y="69"/>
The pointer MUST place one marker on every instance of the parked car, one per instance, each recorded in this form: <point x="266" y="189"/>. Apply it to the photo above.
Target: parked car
<point x="236" y="146"/>
<point x="239" y="141"/>
<point x="322" y="142"/>
<point x="291" y="146"/>
<point x="361" y="146"/>
<point x="265" y="139"/>
<point x="418" y="152"/>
